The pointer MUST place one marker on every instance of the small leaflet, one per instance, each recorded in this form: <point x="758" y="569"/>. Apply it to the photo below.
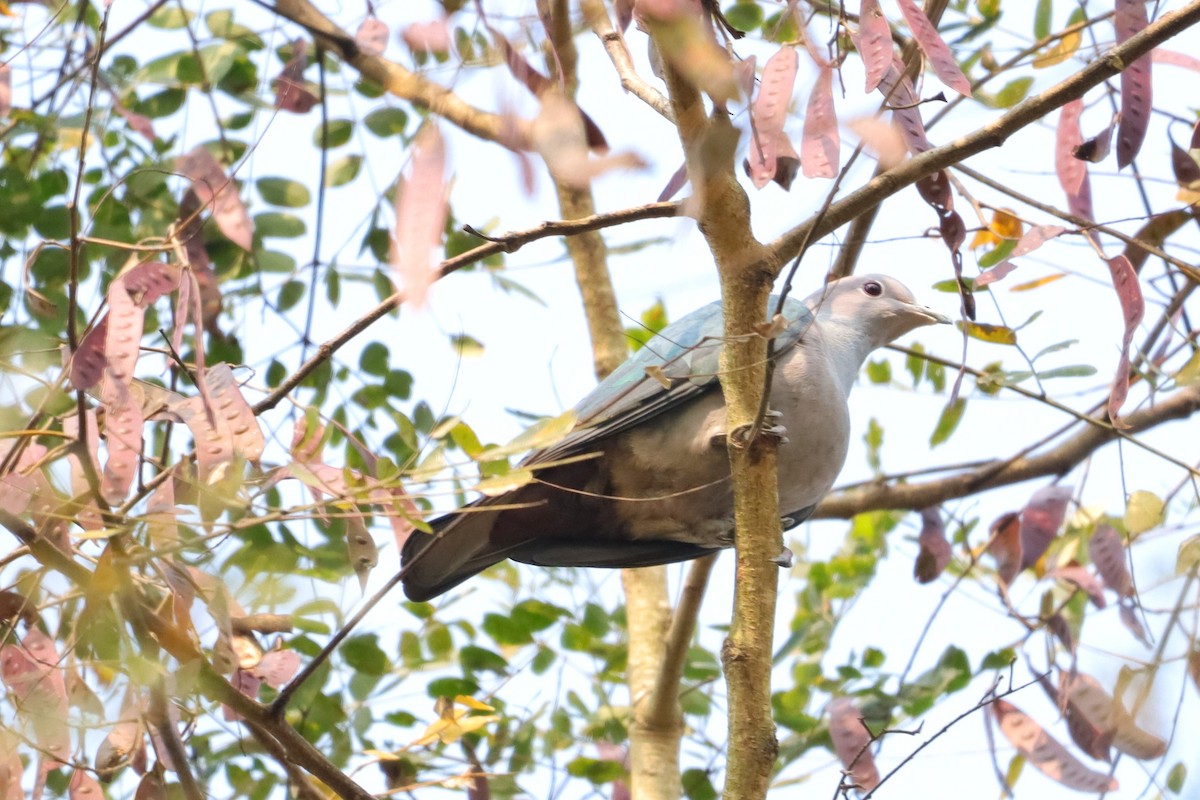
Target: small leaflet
<point x="874" y="42"/>
<point x="1176" y="59"/>
<point x="770" y="111"/>
<point x="234" y="412"/>
<point x="214" y="188"/>
<point x="935" y="552"/>
<point x="89" y="360"/>
<point x="1040" y="520"/>
<point x="123" y="434"/>
<point x="1133" y="308"/>
<point x="1034" y="238"/>
<point x="819" y="147"/>
<point x="1136" y="94"/>
<point x="123" y="335"/>
<point x="291" y="90"/>
<point x="945" y="66"/>
<point x="5" y="89"/>
<point x="1072" y="173"/>
<point x="421" y="208"/>
<point x="851" y="742"/>
<point x="1109" y="555"/>
<point x="994" y="274"/>
<point x="1047" y="753"/>
<point x="898" y="91"/>
<point x="1084" y="580"/>
<point x="372" y="36"/>
<point x="1095" y="149"/>
<point x="427" y="37"/>
<point x="1005" y="546"/>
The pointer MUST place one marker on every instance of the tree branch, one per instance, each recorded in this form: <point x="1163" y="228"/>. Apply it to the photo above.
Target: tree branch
<point x="401" y="82"/>
<point x="1058" y="461"/>
<point x="506" y="243"/>
<point x="989" y="136"/>
<point x="664" y="702"/>
<point x="618" y="52"/>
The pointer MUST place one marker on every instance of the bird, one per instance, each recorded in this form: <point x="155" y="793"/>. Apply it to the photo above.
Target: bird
<point x="643" y="477"/>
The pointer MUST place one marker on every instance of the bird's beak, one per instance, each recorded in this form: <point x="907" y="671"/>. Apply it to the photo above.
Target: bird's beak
<point x="931" y="315"/>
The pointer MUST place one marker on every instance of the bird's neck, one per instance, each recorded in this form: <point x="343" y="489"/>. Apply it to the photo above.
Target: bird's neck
<point x="846" y="347"/>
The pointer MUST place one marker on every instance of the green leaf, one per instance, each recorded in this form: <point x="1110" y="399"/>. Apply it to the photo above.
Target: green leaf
<point x="385" y="122"/>
<point x="342" y="171"/>
<point x="745" y="16"/>
<point x="374" y="359"/>
<point x="1041" y="19"/>
<point x="874" y="440"/>
<point x="439" y="640"/>
<point x="879" y="371"/>
<point x="997" y="254"/>
<point x="506" y="630"/>
<point x="221" y="24"/>
<point x="466" y="346"/>
<point x="1013" y="92"/>
<point x="915" y="364"/>
<point x="284" y="192"/>
<point x="452" y="687"/>
<point x="1073" y="371"/>
<point x="951" y="416"/>
<point x="170" y="17"/>
<point x="534" y="615"/>
<point x="478" y="659"/>
<point x="544" y="659"/>
<point x="274" y="261"/>
<point x="697" y="785"/>
<point x="335" y="134"/>
<point x="362" y="654"/>
<point x="1176" y="777"/>
<point x="290" y="294"/>
<point x="279" y="224"/>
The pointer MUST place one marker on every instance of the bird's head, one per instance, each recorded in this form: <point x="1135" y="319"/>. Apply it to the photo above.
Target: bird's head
<point x="879" y="307"/>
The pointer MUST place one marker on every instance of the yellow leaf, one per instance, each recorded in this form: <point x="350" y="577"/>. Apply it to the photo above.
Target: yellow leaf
<point x="1189" y="194"/>
<point x="1025" y="287"/>
<point x="450" y="730"/>
<point x="1189" y="373"/>
<point x="1006" y="225"/>
<point x="471" y="702"/>
<point x="539" y="435"/>
<point x="996" y="334"/>
<point x="1143" y="512"/>
<point x="1063" y="49"/>
<point x="500" y="484"/>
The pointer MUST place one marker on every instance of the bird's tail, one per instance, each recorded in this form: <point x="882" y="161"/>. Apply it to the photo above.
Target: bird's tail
<point x="459" y="547"/>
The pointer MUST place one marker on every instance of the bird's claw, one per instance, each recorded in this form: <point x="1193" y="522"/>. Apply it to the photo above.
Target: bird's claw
<point x="741" y="434"/>
<point x="784" y="560"/>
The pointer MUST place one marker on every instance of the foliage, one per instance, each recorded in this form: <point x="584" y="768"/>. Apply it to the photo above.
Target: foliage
<point x="167" y="281"/>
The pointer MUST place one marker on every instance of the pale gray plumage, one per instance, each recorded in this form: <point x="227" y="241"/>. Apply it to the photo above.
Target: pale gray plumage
<point x="658" y="489"/>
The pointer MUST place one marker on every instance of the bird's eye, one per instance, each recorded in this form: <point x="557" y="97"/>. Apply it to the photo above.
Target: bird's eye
<point x="873" y="288"/>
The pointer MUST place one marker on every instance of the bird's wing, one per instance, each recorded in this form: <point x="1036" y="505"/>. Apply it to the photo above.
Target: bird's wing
<point x="678" y="364"/>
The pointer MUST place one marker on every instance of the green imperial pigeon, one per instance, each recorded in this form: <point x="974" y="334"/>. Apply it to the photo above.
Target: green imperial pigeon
<point x="647" y="478"/>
